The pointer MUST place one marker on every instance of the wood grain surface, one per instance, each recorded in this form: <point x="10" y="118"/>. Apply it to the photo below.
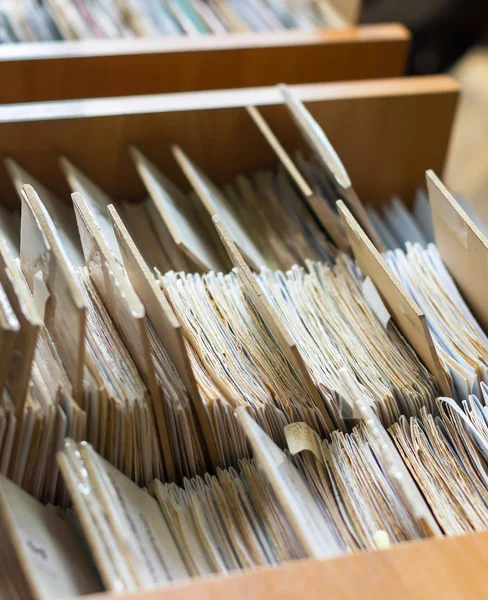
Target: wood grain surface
<point x="93" y="69"/>
<point x="387" y="132"/>
<point x="442" y="568"/>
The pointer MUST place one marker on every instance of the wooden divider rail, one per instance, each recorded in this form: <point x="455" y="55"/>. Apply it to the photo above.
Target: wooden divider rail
<point x="42" y="71"/>
<point x="388" y="133"/>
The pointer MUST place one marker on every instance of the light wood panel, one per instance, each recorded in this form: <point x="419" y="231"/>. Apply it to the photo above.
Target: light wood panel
<point x="462" y="245"/>
<point x="466" y="173"/>
<point x="442" y="568"/>
<point x="92" y="69"/>
<point x="387" y="132"/>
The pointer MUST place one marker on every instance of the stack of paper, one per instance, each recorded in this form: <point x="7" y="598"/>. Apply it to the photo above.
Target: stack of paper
<point x="397" y="225"/>
<point x="83" y="380"/>
<point x="269" y="222"/>
<point x="270" y="206"/>
<point x="332" y="316"/>
<point x="40" y="401"/>
<point x="231" y="347"/>
<point x="349" y="479"/>
<point x="461" y="343"/>
<point x="447" y="455"/>
<point x="236" y="519"/>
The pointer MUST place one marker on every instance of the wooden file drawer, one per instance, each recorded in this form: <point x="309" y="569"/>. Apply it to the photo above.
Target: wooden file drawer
<point x="388" y="132"/>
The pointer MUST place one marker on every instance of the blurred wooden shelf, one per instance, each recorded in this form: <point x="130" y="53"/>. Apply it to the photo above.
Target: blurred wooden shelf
<point x="42" y="71"/>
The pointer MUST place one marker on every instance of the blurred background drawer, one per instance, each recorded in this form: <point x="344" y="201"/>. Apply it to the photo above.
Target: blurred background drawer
<point x="98" y="68"/>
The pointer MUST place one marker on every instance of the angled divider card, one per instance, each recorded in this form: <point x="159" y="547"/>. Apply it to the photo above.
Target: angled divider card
<point x="59" y="211"/>
<point x="462" y="246"/>
<point x="176" y="259"/>
<point x="45" y="556"/>
<point x="123" y="305"/>
<point x="271" y="319"/>
<point x="328" y="158"/>
<point x="146" y="227"/>
<point x="328" y="219"/>
<point x="408" y="316"/>
<point x="185" y="227"/>
<point x="165" y="323"/>
<point x="309" y="523"/>
<point x="96" y="199"/>
<point x="58" y="294"/>
<point x="389" y="454"/>
<point x="22" y="303"/>
<point x="113" y="286"/>
<point x="216" y="204"/>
